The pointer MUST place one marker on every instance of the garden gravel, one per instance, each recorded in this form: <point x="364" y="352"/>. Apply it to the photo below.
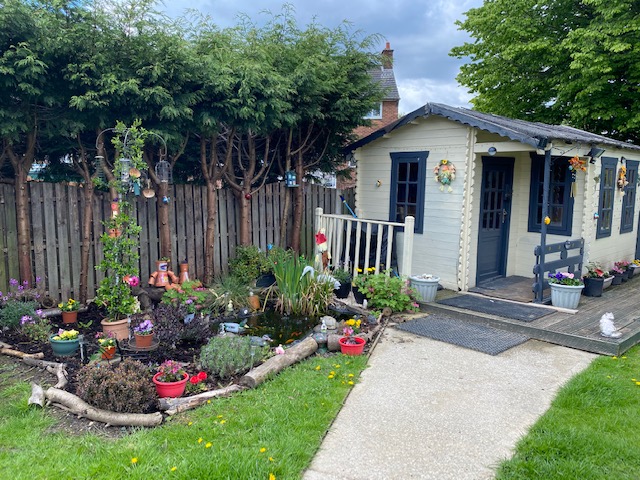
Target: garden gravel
<point x="430" y="410"/>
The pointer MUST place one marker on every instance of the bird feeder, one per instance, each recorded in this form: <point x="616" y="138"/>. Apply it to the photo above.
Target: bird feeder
<point x="98" y="162"/>
<point x="125" y="166"/>
<point x="290" y="179"/>
<point x="163" y="171"/>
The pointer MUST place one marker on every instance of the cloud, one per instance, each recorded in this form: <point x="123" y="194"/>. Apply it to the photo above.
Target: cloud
<point x="415" y="92"/>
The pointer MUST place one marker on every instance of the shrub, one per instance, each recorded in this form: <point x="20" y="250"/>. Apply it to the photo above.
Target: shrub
<point x="228" y="356"/>
<point x="35" y="327"/>
<point x="249" y="263"/>
<point x="170" y="329"/>
<point x="124" y="388"/>
<point x="385" y="290"/>
<point x="14" y="310"/>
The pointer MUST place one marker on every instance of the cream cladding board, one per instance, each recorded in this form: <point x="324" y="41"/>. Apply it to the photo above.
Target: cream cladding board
<point x="436" y="251"/>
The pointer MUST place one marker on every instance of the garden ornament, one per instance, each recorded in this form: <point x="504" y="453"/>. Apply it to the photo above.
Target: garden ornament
<point x="607" y="328"/>
<point x="323" y="249"/>
<point x="279" y="350"/>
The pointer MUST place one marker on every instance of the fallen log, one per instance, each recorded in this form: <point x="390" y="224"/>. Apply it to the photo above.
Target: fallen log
<point x="37" y="395"/>
<point x="81" y="408"/>
<point x="278" y="363"/>
<point x="58" y="369"/>
<point x="7" y="349"/>
<point x="171" y="406"/>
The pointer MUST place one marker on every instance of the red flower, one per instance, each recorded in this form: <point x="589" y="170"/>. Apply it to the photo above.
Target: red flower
<point x="194" y="380"/>
<point x="202" y="376"/>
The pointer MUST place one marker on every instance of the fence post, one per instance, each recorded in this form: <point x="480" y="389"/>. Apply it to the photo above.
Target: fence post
<point x="407" y="249"/>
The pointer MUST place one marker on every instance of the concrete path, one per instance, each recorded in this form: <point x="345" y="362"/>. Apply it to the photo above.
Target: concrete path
<point x="429" y="410"/>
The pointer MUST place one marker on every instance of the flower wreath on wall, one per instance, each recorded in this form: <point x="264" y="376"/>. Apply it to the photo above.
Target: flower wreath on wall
<point x="445" y="173"/>
<point x="575" y="164"/>
<point x="622" y="178"/>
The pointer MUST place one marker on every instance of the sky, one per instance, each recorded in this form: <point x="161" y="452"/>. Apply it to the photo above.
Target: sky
<point x="421" y="33"/>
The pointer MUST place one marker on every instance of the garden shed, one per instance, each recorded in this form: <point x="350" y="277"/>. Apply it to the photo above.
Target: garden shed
<point x="475" y="183"/>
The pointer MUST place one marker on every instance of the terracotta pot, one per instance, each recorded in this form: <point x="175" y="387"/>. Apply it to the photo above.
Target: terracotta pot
<point x="349" y="349"/>
<point x="70" y="317"/>
<point x="108" y="352"/>
<point x="162" y="276"/>
<point x="184" y="273"/>
<point x="120" y="328"/>
<point x="170" y="389"/>
<point x="143" y="341"/>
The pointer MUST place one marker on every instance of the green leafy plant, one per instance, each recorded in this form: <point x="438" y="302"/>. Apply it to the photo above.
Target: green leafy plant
<point x="564" y="278"/>
<point x="227" y="356"/>
<point x="170" y="371"/>
<point x="14" y="310"/>
<point x="69" y="306"/>
<point x="191" y="295"/>
<point x="21" y="292"/>
<point x="124" y="388"/>
<point x="341" y="275"/>
<point x="594" y="270"/>
<point x="386" y="290"/>
<point x="249" y="263"/>
<point x="196" y="383"/>
<point x="36" y="327"/>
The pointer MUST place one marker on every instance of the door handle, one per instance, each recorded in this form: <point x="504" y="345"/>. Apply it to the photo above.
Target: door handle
<point x="504" y="214"/>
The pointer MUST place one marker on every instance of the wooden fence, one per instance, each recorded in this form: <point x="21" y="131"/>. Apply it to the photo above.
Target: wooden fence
<point x="57" y="211"/>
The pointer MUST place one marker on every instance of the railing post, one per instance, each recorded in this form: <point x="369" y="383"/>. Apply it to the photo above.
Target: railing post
<point x="407" y="249"/>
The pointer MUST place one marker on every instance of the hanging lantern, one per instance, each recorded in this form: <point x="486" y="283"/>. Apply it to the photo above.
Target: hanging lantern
<point x="163" y="171"/>
<point x="290" y="179"/>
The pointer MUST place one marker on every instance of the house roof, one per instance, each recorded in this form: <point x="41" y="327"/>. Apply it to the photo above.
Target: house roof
<point x="387" y="80"/>
<point x="536" y="134"/>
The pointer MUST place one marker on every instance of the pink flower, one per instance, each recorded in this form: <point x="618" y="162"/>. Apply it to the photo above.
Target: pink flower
<point x="134" y="281"/>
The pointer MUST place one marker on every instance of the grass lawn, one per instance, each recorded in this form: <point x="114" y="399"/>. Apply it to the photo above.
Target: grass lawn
<point x="271" y="432"/>
<point x="590" y="431"/>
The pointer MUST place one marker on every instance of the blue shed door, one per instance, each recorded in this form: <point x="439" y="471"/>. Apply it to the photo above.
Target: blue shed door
<point x="495" y="214"/>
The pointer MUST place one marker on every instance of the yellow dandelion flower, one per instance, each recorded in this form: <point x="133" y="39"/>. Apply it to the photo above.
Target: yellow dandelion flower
<point x="350" y="382"/>
<point x="190" y="423"/>
<point x="272" y="476"/>
<point x="330" y="377"/>
<point x="342" y="382"/>
<point x="637" y="383"/>
<point x="350" y="375"/>
<point x="633" y="380"/>
<point x="614" y="358"/>
<point x="134" y="460"/>
<point x="332" y="373"/>
<point x="623" y="357"/>
<point x="173" y="469"/>
<point x="222" y="422"/>
<point x="351" y="322"/>
<point x="271" y="459"/>
<point x="262" y="450"/>
<point x="200" y="440"/>
<point x="208" y="445"/>
<point x="219" y="416"/>
<point x="318" y="367"/>
<point x="208" y="401"/>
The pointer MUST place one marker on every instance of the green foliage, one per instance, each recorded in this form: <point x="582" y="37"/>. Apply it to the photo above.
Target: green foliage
<point x="192" y="296"/>
<point x="228" y="289"/>
<point x="124" y="388"/>
<point x="249" y="263"/>
<point x="556" y="62"/>
<point x="386" y="290"/>
<point x="299" y="293"/>
<point x="36" y="328"/>
<point x="227" y="356"/>
<point x="13" y="311"/>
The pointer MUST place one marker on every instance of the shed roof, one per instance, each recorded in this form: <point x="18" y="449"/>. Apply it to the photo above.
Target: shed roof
<point x="536" y="134"/>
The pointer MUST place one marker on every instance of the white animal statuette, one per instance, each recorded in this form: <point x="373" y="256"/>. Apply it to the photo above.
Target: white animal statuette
<point x="607" y="328"/>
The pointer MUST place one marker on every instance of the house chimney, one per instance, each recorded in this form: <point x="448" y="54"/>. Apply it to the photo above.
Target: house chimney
<point x="387" y="57"/>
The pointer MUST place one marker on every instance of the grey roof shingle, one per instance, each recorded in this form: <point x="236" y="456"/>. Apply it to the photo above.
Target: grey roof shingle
<point x="387" y="79"/>
<point x="535" y="134"/>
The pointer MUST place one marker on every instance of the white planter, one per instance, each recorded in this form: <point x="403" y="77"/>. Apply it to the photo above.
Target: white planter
<point x="565" y="296"/>
<point x="426" y="286"/>
<point x="607" y="282"/>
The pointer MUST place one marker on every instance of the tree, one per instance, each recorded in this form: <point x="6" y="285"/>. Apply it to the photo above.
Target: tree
<point x="556" y="61"/>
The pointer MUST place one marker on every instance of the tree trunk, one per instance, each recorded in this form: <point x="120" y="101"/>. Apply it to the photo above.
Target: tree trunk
<point x="298" y="207"/>
<point x="83" y="409"/>
<point x="87" y="223"/>
<point x="163" y="217"/>
<point x="177" y="405"/>
<point x="210" y="235"/>
<point x="279" y="362"/>
<point x="244" y="235"/>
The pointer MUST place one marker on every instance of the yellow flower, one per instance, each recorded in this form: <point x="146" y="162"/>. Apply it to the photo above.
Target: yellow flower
<point x="220" y="416"/>
<point x="200" y="440"/>
<point x="358" y="323"/>
<point x="614" y="358"/>
<point x="350" y="382"/>
<point x="359" y="270"/>
<point x="351" y="322"/>
<point x="134" y="460"/>
<point x="350" y="375"/>
<point x="332" y="373"/>
<point x="633" y="380"/>
<point x="444" y="161"/>
<point x="271" y="459"/>
<point x="262" y="450"/>
<point x="330" y="377"/>
<point x="208" y="401"/>
<point x="190" y="423"/>
<point x="624" y="358"/>
<point x="272" y="476"/>
<point x="173" y="469"/>
<point x="59" y="305"/>
<point x="637" y="383"/>
<point x="318" y="367"/>
<point x="222" y="422"/>
<point x="208" y="445"/>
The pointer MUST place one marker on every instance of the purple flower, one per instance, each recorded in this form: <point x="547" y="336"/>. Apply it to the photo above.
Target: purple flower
<point x="25" y="283"/>
<point x="13" y="282"/>
<point x="26" y="319"/>
<point x="188" y="301"/>
<point x="39" y="312"/>
<point x="20" y="288"/>
<point x="38" y="279"/>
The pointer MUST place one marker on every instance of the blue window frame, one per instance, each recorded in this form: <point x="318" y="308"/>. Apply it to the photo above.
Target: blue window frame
<point x="560" y="201"/>
<point x="607" y="191"/>
<point x="408" y="175"/>
<point x="629" y="199"/>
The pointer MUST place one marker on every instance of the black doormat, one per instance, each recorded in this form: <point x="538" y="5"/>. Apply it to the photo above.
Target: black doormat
<point x="464" y="334"/>
<point x="516" y="311"/>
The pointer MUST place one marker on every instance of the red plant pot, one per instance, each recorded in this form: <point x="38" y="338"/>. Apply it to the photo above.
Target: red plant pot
<point x="108" y="353"/>
<point x="70" y="317"/>
<point x="170" y="389"/>
<point x="352" y="349"/>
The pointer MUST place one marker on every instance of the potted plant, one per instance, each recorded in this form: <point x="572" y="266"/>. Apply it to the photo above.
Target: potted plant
<point x="106" y="344"/>
<point x="143" y="334"/>
<point x="426" y="285"/>
<point x="170" y="379"/>
<point x="594" y="280"/>
<point x="65" y="343"/>
<point x="618" y="274"/>
<point x="623" y="266"/>
<point x="349" y="343"/>
<point x="252" y="266"/>
<point x="344" y="277"/>
<point x="359" y="285"/>
<point x="69" y="311"/>
<point x="565" y="289"/>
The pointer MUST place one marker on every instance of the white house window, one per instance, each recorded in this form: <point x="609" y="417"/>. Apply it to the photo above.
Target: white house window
<point x="375" y="114"/>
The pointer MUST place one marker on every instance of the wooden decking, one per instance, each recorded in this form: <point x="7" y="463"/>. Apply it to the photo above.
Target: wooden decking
<point x="579" y="330"/>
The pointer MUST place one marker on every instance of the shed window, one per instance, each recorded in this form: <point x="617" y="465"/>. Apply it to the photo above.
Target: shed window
<point x="607" y="190"/>
<point x="560" y="202"/>
<point x="408" y="175"/>
<point x="629" y="199"/>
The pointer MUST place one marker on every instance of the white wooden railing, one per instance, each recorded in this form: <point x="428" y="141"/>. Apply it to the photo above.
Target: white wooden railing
<point x="338" y="230"/>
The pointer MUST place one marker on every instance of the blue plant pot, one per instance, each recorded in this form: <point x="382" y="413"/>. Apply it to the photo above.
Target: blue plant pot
<point x="64" y="348"/>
